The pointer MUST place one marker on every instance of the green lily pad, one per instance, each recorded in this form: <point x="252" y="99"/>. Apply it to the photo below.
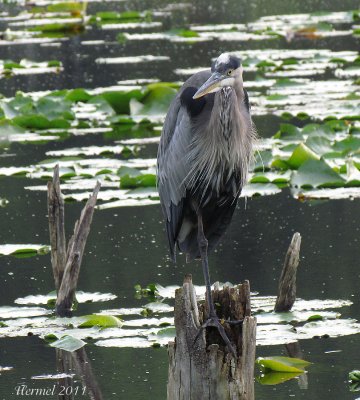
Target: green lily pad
<point x="50" y="338"/>
<point x="81" y="297"/>
<point x="68" y="343"/>
<point x="167" y="332"/>
<point x="10" y="312"/>
<point x="275" y="378"/>
<point x="60" y="27"/>
<point x="77" y="95"/>
<point x="102" y="321"/>
<point x="288" y="131"/>
<point x="274" y="177"/>
<point x="260" y="189"/>
<point x="70" y="6"/>
<point x="142" y="180"/>
<point x="300" y="155"/>
<point x="350" y="144"/>
<point x="8" y="128"/>
<point x="282" y="364"/>
<point x="319" y="145"/>
<point x="354" y="381"/>
<point x="354" y="376"/>
<point x="120" y="100"/>
<point x="23" y="250"/>
<point x="315" y="317"/>
<point x="316" y="173"/>
<point x="37" y="121"/>
<point x="156" y="100"/>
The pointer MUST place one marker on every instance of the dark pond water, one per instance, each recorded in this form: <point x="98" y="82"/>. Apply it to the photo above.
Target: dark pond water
<point x="127" y="246"/>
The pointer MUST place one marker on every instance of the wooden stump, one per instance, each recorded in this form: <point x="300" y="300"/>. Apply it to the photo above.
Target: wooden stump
<point x="287" y="283"/>
<point x="66" y="262"/>
<point x="57" y="228"/>
<point x="206" y="370"/>
<point x="66" y="268"/>
<point x="66" y="293"/>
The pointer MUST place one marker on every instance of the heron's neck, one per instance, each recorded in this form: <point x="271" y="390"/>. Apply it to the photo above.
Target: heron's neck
<point x="225" y="112"/>
<point x="239" y="89"/>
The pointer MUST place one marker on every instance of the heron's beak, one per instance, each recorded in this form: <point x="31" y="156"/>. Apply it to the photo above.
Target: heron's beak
<point x="210" y="85"/>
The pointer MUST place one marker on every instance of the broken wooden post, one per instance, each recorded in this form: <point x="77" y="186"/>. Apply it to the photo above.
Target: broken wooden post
<point x="66" y="263"/>
<point x="56" y="228"/>
<point x="205" y="369"/>
<point x="66" y="267"/>
<point x="75" y="252"/>
<point x="287" y="296"/>
<point x="287" y="283"/>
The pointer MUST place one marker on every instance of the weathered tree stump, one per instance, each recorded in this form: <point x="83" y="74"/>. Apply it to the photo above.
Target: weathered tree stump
<point x="56" y="228"/>
<point x="66" y="263"/>
<point x="205" y="369"/>
<point x="287" y="283"/>
<point x="66" y="268"/>
<point x="75" y="252"/>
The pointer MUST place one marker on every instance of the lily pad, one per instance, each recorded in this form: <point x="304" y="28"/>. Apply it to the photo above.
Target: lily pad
<point x="259" y="189"/>
<point x="23" y="250"/>
<point x="102" y="321"/>
<point x="68" y="343"/>
<point x="81" y="297"/>
<point x="316" y="173"/>
<point x="282" y="364"/>
<point x="274" y="377"/>
<point x="300" y="155"/>
<point x="9" y="312"/>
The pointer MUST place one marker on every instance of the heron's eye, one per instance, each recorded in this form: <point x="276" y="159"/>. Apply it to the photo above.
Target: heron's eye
<point x="230" y="71"/>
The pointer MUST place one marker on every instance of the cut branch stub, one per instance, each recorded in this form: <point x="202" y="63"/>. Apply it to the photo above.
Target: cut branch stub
<point x="56" y="228"/>
<point x="75" y="252"/>
<point x="204" y="369"/>
<point x="287" y="283"/>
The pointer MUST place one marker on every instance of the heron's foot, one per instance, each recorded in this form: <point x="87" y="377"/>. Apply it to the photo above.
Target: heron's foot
<point x="215" y="322"/>
<point x="234" y="322"/>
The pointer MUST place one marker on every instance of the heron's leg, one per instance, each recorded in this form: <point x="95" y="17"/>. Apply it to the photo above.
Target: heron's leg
<point x="213" y="319"/>
<point x="203" y="247"/>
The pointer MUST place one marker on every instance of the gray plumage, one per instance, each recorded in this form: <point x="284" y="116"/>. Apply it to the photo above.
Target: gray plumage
<point x="204" y="155"/>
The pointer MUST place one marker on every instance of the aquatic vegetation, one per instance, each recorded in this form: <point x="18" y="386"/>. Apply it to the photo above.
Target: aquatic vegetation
<point x="23" y="250"/>
<point x="310" y="26"/>
<point x="316" y="156"/>
<point x="282" y="364"/>
<point x="10" y="68"/>
<point x="152" y="324"/>
<point x="68" y="343"/>
<point x="81" y="297"/>
<point x="354" y="381"/>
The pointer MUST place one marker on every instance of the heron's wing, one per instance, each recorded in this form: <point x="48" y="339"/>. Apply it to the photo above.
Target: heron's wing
<point x="172" y="171"/>
<point x="173" y="166"/>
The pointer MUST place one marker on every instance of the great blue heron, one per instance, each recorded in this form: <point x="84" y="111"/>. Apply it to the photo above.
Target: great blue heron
<point x="204" y="155"/>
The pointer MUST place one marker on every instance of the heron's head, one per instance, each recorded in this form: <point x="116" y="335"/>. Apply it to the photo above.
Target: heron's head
<point x="226" y="71"/>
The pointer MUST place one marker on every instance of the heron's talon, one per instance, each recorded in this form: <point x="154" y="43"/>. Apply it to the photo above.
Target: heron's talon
<point x="234" y="322"/>
<point x="215" y="322"/>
